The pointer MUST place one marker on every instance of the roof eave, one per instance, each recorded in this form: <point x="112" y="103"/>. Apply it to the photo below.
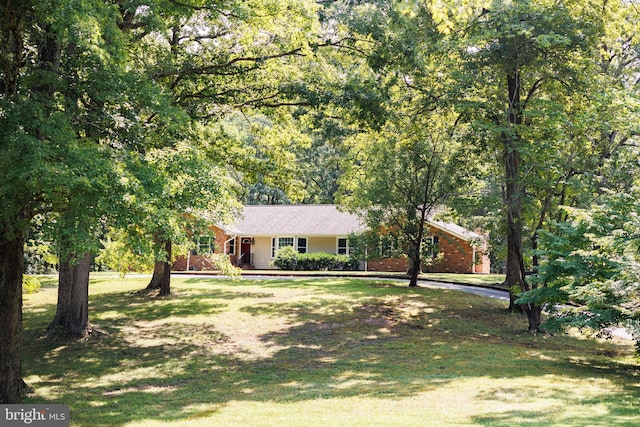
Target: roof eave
<point x="443" y="227"/>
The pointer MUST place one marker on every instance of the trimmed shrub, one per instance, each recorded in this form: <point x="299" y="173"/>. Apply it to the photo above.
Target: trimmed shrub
<point x="289" y="259"/>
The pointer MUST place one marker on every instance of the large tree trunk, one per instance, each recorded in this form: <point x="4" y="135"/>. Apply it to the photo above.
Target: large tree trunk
<point x="415" y="252"/>
<point x="515" y="274"/>
<point x="14" y="17"/>
<point x="514" y="193"/>
<point x="11" y="266"/>
<point x="161" y="278"/>
<point x="414" y="267"/>
<point x="72" y="311"/>
<point x="158" y="274"/>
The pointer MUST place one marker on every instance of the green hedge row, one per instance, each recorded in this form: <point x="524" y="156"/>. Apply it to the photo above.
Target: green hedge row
<point x="289" y="259"/>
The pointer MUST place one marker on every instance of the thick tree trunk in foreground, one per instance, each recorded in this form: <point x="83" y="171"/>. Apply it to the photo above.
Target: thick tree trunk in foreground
<point x="11" y="266"/>
<point x="414" y="267"/>
<point x="14" y="18"/>
<point x="72" y="311"/>
<point x="161" y="278"/>
<point x="415" y="252"/>
<point x="515" y="274"/>
<point x="514" y="193"/>
<point x="158" y="273"/>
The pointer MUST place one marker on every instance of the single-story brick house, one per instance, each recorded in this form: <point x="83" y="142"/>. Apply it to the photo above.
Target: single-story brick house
<point x="253" y="241"/>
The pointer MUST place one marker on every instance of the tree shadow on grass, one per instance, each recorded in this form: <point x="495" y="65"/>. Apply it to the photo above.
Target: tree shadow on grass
<point x="619" y="408"/>
<point x="164" y="360"/>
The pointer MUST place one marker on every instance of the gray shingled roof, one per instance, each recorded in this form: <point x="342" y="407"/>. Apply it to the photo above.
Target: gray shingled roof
<point x="313" y="220"/>
<point x="299" y="220"/>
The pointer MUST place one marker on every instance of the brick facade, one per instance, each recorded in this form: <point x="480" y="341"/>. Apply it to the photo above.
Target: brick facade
<point x="457" y="257"/>
<point x="200" y="262"/>
<point x="457" y="254"/>
<point x="388" y="264"/>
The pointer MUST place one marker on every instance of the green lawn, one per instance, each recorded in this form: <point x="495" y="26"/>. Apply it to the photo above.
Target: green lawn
<point x="319" y="352"/>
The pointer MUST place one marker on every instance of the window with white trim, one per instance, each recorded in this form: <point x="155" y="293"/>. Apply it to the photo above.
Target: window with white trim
<point x="343" y="246"/>
<point x="206" y="244"/>
<point x="285" y="241"/>
<point x="280" y="242"/>
<point x="432" y="246"/>
<point x="231" y="246"/>
<point x="302" y="245"/>
<point x="387" y="246"/>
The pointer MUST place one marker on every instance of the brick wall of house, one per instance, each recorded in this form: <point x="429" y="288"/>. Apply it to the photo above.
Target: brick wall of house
<point x="457" y="257"/>
<point x="400" y="264"/>
<point x="457" y="254"/>
<point x="201" y="262"/>
<point x="221" y="237"/>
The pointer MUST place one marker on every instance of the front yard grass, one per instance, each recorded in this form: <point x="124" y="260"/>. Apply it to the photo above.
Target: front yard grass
<point x="318" y="352"/>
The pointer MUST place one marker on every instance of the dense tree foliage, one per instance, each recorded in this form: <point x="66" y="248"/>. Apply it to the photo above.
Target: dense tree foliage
<point x="592" y="261"/>
<point x="524" y="56"/>
<point x="588" y="253"/>
<point x="64" y="82"/>
<point x="102" y="106"/>
<point x="220" y="63"/>
<point x="406" y="171"/>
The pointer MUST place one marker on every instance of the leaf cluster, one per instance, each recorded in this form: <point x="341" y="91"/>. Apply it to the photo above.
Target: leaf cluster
<point x="592" y="262"/>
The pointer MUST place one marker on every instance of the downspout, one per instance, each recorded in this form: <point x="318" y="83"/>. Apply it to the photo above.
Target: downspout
<point x="473" y="261"/>
<point x="366" y="257"/>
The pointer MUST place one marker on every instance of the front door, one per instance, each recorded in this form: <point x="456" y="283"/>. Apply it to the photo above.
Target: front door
<point x="245" y="250"/>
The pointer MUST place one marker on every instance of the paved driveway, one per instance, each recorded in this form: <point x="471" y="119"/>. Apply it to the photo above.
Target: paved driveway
<point x="485" y="292"/>
<point x="500" y="294"/>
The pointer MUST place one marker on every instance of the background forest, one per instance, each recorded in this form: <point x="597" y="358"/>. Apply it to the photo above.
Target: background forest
<point x="140" y="122"/>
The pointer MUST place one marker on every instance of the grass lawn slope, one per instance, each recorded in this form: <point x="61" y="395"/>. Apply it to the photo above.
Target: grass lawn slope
<point x="319" y="352"/>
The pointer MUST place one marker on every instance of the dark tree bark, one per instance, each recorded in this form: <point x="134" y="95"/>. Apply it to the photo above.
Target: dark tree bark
<point x="158" y="274"/>
<point x="161" y="278"/>
<point x="514" y="193"/>
<point x="13" y="15"/>
<point x="72" y="311"/>
<point x="415" y="252"/>
<point x="11" y="266"/>
<point x="414" y="265"/>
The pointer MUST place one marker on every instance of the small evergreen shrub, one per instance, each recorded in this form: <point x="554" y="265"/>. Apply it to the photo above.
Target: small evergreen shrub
<point x="289" y="259"/>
